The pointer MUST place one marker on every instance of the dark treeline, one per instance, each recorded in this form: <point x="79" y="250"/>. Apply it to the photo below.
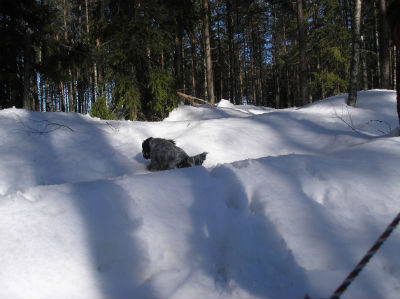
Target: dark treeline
<point x="128" y="58"/>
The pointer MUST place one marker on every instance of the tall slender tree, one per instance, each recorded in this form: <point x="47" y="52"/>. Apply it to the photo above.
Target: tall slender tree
<point x="393" y="17"/>
<point x="207" y="46"/>
<point x="384" y="53"/>
<point x="302" y="54"/>
<point x="27" y="99"/>
<point x="352" y="98"/>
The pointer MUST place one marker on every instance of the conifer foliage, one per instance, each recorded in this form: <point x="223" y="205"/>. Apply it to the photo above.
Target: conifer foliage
<point x="127" y="59"/>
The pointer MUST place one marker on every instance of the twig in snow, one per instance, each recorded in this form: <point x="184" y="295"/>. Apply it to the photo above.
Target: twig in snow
<point x="370" y="123"/>
<point x="114" y="127"/>
<point x="388" y="126"/>
<point x="349" y="122"/>
<point x="47" y="127"/>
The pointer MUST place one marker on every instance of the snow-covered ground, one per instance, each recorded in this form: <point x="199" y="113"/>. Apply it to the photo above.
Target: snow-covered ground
<point x="287" y="203"/>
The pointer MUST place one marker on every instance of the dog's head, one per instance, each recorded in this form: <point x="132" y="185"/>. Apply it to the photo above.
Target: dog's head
<point x="146" y="148"/>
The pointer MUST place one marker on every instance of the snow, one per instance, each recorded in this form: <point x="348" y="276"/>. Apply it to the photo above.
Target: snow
<point x="286" y="204"/>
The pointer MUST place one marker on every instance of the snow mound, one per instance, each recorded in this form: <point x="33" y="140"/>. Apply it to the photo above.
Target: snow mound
<point x="225" y="104"/>
<point x="287" y="203"/>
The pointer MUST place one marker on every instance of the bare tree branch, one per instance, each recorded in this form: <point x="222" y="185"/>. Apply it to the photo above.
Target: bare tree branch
<point x="45" y="127"/>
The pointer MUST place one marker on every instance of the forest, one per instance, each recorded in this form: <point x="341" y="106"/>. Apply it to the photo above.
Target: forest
<point x="127" y="59"/>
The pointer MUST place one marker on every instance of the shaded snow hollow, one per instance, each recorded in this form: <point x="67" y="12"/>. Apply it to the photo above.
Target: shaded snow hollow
<point x="286" y="204"/>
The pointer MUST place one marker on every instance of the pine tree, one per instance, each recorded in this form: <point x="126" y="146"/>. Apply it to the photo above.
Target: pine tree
<point x="302" y="56"/>
<point x="22" y="28"/>
<point x="384" y="46"/>
<point x="393" y="18"/>
<point x="352" y="98"/>
<point x="208" y="60"/>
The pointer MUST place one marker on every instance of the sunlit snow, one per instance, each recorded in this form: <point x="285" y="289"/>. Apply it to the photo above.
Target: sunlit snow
<point x="286" y="204"/>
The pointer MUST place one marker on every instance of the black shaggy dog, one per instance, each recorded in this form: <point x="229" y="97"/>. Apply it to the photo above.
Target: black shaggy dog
<point x="164" y="154"/>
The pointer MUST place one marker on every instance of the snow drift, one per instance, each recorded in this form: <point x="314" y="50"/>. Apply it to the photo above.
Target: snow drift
<point x="287" y="203"/>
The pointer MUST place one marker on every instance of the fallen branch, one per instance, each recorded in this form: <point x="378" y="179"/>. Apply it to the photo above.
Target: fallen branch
<point x="192" y="99"/>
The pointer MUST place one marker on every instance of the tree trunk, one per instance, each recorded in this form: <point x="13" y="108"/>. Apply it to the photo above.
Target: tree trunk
<point x="302" y="54"/>
<point x="27" y="100"/>
<point x="364" y="67"/>
<point x="395" y="67"/>
<point x="62" y="95"/>
<point x="393" y="18"/>
<point x="91" y="92"/>
<point x="92" y="81"/>
<point x="36" y="105"/>
<point x="286" y="91"/>
<point x="252" y="65"/>
<point x="220" y="62"/>
<point x="87" y="16"/>
<point x="355" y="60"/>
<point x="193" y="48"/>
<point x="207" y="44"/>
<point x="384" y="46"/>
<point x="231" y="55"/>
<point x="47" y="95"/>
<point x="260" y="75"/>
<point x="246" y="73"/>
<point x="178" y="60"/>
<point x="70" y="92"/>
<point x="239" y="99"/>
<point x="277" y="91"/>
<point x="398" y="83"/>
<point x="377" y="45"/>
<point x="205" y="78"/>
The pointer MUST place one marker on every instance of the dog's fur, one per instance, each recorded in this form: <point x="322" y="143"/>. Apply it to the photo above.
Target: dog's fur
<point x="164" y="154"/>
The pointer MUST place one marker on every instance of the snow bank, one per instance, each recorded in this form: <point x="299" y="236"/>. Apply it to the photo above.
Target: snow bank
<point x="286" y="204"/>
